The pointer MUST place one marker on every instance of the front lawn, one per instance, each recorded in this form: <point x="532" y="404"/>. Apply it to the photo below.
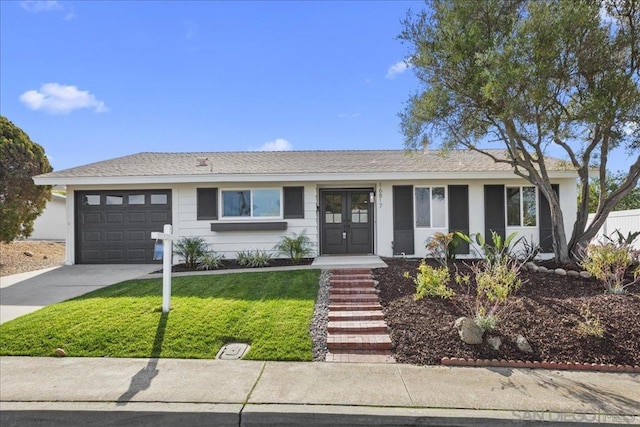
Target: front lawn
<point x="269" y="310"/>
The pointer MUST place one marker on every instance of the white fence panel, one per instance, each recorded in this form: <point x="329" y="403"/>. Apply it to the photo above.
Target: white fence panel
<point x="623" y="221"/>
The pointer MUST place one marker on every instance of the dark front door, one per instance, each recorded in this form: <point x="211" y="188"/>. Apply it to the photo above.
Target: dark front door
<point x="347" y="222"/>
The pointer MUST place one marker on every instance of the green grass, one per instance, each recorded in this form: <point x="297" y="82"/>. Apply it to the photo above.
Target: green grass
<point x="270" y="311"/>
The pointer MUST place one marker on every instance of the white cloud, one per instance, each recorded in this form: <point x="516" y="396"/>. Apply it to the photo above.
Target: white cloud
<point x="396" y="69"/>
<point x="279" y="144"/>
<point x="348" y="115"/>
<point x="35" y="6"/>
<point x="57" y="98"/>
<point x="630" y="127"/>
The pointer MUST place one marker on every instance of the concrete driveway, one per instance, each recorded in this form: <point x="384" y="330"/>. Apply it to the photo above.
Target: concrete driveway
<point x="25" y="293"/>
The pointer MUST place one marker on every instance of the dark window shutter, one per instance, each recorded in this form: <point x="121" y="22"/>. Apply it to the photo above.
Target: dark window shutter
<point x="459" y="213"/>
<point x="546" y="227"/>
<point x="403" y="225"/>
<point x="494" y="211"/>
<point x="293" y="202"/>
<point x="207" y="203"/>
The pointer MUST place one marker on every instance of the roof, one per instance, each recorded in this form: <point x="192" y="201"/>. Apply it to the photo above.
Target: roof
<point x="226" y="165"/>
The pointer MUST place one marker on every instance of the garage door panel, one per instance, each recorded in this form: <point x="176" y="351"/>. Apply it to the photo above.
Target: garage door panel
<point x="108" y="232"/>
<point x="115" y="217"/>
<point x="91" y="218"/>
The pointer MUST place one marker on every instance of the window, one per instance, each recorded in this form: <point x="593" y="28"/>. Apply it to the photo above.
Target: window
<point x="136" y="199"/>
<point x="521" y="206"/>
<point x="430" y="207"/>
<point x="114" y="200"/>
<point x="159" y="199"/>
<point x="263" y="203"/>
<point x="91" y="200"/>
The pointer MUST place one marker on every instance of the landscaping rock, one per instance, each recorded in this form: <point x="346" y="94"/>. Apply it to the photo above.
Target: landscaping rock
<point x="523" y="344"/>
<point x="469" y="332"/>
<point x="560" y="271"/>
<point x="60" y="352"/>
<point x="535" y="268"/>
<point x="573" y="273"/>
<point x="542" y="269"/>
<point x="494" y="343"/>
<point x="28" y="253"/>
<point x="530" y="265"/>
<point x="585" y="275"/>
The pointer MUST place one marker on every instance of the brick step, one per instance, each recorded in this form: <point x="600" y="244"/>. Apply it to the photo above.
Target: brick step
<point x="370" y="306"/>
<point x="360" y="356"/>
<point x="343" y="291"/>
<point x="358" y="342"/>
<point x="369" y="298"/>
<point x="355" y="315"/>
<point x="351" y="276"/>
<point x="357" y="326"/>
<point x="370" y="283"/>
<point x="350" y="271"/>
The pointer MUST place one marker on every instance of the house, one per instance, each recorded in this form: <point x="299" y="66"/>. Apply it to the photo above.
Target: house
<point x="52" y="223"/>
<point x="348" y="202"/>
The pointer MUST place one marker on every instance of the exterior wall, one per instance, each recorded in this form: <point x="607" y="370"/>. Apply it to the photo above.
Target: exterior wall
<point x="624" y="221"/>
<point x="384" y="206"/>
<point x="52" y="224"/>
<point x="229" y="243"/>
<point x="185" y="222"/>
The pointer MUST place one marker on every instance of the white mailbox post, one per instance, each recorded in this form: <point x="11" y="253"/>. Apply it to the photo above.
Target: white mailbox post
<point x="167" y="255"/>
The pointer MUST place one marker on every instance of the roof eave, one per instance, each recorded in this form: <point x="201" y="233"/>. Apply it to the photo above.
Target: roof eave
<point x="297" y="177"/>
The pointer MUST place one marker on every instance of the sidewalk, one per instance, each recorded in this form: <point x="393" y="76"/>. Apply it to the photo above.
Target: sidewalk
<point x="103" y="391"/>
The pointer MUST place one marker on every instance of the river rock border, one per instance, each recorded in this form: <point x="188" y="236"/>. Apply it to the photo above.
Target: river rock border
<point x="534" y="268"/>
<point x="563" y="366"/>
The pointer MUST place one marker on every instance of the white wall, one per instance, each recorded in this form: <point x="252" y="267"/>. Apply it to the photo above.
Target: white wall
<point x="384" y="230"/>
<point x="51" y="224"/>
<point x="624" y="221"/>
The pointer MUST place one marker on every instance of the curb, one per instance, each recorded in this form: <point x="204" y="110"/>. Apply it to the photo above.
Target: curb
<point x="563" y="366"/>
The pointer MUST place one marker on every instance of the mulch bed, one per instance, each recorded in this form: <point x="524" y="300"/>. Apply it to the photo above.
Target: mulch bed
<point x="231" y="264"/>
<point x="546" y="311"/>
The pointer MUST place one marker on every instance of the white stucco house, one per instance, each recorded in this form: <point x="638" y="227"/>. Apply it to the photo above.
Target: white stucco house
<point x="348" y="202"/>
<point x="52" y="223"/>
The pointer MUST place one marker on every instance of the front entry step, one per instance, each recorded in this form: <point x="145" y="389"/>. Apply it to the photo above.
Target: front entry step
<point x="356" y="331"/>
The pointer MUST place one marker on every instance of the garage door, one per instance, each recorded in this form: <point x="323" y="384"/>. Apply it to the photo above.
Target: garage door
<point x="114" y="227"/>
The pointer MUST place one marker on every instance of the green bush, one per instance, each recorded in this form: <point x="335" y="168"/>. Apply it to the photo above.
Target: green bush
<point x="190" y="249"/>
<point x="253" y="259"/>
<point x="210" y="261"/>
<point x="495" y="282"/>
<point x="610" y="262"/>
<point x="295" y="247"/>
<point x="441" y="247"/>
<point x="431" y="282"/>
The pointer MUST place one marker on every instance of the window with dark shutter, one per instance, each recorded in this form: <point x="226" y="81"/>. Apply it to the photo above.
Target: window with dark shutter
<point x="207" y="203"/>
<point x="293" y="202"/>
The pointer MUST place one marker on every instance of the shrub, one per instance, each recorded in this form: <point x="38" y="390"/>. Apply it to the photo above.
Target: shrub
<point x="494" y="250"/>
<point x="609" y="263"/>
<point x="431" y="282"/>
<point x="495" y="283"/>
<point x="529" y="251"/>
<point x="210" y="261"/>
<point x="255" y="258"/>
<point x="295" y="247"/>
<point x="190" y="249"/>
<point x="589" y="325"/>
<point x="441" y="248"/>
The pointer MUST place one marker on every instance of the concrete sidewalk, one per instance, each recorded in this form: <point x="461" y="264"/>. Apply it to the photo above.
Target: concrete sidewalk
<point x="103" y="391"/>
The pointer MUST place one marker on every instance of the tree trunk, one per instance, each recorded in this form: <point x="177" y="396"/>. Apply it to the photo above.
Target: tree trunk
<point x="560" y="246"/>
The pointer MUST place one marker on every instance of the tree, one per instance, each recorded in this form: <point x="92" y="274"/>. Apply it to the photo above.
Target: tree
<point x="630" y="201"/>
<point x="21" y="201"/>
<point x="532" y="76"/>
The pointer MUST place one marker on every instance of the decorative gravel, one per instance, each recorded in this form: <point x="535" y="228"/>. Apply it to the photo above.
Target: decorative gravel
<point x="320" y="319"/>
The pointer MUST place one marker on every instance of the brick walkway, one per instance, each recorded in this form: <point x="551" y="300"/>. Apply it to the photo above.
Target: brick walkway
<point x="356" y="331"/>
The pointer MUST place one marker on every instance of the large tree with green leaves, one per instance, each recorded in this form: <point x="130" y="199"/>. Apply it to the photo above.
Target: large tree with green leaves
<point x="534" y="76"/>
<point x="631" y="200"/>
<point x="21" y="201"/>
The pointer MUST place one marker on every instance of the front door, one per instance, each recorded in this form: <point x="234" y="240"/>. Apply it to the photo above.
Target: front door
<point x="347" y="222"/>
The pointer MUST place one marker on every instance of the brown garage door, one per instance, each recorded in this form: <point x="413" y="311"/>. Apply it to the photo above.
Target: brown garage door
<point x="114" y="227"/>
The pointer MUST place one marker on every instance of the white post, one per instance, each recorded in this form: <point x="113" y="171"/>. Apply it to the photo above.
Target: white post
<point x="167" y="257"/>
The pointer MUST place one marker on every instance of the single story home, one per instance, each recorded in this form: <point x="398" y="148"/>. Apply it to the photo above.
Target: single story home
<point x="384" y="202"/>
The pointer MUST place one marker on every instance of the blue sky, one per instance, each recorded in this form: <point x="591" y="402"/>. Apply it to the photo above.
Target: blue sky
<point x="93" y="80"/>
